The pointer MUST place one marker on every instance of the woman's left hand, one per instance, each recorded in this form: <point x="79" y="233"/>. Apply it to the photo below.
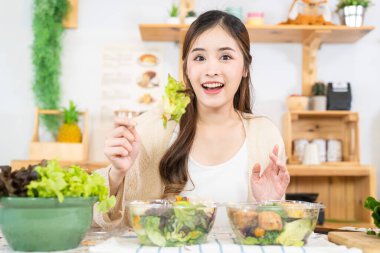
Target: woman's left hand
<point x="273" y="182"/>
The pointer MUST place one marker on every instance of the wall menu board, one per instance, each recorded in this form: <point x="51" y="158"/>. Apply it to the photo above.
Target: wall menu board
<point x="131" y="79"/>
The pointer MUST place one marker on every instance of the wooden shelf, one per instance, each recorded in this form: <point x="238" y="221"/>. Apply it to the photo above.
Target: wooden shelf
<point x="311" y="37"/>
<point x="267" y="33"/>
<point x="294" y="170"/>
<point x="346" y="116"/>
<point x="324" y="113"/>
<point x="71" y="19"/>
<point x="161" y="32"/>
<point x="329" y="170"/>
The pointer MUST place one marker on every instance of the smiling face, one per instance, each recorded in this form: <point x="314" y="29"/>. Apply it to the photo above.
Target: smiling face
<point x="215" y="67"/>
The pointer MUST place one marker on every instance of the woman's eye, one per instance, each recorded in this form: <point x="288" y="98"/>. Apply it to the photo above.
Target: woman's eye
<point x="225" y="57"/>
<point x="199" y="58"/>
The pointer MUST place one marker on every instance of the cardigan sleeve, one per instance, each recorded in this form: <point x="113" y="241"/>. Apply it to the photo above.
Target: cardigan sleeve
<point x="114" y="217"/>
<point x="262" y="135"/>
<point x="275" y="138"/>
<point x="129" y="190"/>
<point x="142" y="181"/>
<point x="117" y="216"/>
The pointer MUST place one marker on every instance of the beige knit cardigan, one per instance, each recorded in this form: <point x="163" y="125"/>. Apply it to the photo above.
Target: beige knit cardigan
<point x="143" y="182"/>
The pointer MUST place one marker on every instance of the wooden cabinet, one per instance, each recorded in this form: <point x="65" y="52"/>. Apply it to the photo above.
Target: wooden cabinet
<point x="342" y="189"/>
<point x="337" y="125"/>
<point x="342" y="186"/>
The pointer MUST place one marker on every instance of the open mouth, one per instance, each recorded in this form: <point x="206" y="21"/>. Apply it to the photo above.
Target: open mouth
<point x="212" y="86"/>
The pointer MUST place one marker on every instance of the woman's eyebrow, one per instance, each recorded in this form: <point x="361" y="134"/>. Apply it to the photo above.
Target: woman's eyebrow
<point x="220" y="49"/>
<point x="226" y="49"/>
<point x="198" y="49"/>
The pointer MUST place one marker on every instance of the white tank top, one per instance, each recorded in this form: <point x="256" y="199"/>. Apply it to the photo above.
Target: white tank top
<point x="223" y="183"/>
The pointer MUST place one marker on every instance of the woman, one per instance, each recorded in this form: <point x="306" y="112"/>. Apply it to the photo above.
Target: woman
<point x="219" y="150"/>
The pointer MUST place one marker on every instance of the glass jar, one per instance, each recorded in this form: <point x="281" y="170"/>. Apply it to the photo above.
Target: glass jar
<point x="255" y="18"/>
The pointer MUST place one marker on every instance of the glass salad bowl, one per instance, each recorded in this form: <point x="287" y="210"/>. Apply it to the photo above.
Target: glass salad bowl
<point x="287" y="223"/>
<point x="171" y="223"/>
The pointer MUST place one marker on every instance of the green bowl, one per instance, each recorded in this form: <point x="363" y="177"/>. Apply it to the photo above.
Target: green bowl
<point x="44" y="224"/>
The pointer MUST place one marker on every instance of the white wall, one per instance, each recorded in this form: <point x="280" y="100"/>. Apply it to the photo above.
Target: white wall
<point x="276" y="67"/>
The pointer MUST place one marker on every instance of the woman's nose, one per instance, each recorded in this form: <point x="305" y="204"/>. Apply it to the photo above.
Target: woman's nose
<point x="212" y="68"/>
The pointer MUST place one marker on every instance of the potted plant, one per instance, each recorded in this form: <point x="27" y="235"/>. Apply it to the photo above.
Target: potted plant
<point x="191" y="16"/>
<point x="318" y="100"/>
<point x="47" y="208"/>
<point x="47" y="48"/>
<point x="352" y="11"/>
<point x="174" y="14"/>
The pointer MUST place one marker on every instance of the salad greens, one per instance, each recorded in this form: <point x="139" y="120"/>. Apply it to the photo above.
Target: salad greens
<point x="173" y="224"/>
<point x="283" y="223"/>
<point x="294" y="232"/>
<point x="372" y="204"/>
<point x="268" y="239"/>
<point x="14" y="183"/>
<point x="175" y="100"/>
<point x="54" y="181"/>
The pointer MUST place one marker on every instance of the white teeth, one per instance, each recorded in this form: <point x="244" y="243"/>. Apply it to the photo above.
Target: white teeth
<point x="212" y="85"/>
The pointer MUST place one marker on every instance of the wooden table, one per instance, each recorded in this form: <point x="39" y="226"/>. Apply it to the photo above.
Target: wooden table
<point x="87" y="165"/>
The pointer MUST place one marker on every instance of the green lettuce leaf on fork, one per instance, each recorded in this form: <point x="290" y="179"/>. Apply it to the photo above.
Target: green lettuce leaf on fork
<point x="175" y="101"/>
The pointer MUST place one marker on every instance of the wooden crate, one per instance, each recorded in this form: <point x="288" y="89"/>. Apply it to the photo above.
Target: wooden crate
<point x="341" y="125"/>
<point x="58" y="150"/>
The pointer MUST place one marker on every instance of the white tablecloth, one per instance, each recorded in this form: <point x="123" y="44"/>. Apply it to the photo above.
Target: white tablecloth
<point x="219" y="243"/>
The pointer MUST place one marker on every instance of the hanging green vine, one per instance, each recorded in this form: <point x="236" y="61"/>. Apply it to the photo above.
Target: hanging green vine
<point x="46" y="52"/>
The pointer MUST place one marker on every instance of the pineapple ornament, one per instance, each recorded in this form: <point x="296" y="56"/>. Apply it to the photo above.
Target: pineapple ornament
<point x="70" y="131"/>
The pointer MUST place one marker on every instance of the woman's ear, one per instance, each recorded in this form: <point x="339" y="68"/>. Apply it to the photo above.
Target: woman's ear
<point x="245" y="73"/>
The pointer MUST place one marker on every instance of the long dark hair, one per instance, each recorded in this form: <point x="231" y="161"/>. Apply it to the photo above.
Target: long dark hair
<point x="173" y="165"/>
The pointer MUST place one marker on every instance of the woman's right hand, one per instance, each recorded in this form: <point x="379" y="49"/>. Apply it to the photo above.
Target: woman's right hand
<point x="121" y="148"/>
